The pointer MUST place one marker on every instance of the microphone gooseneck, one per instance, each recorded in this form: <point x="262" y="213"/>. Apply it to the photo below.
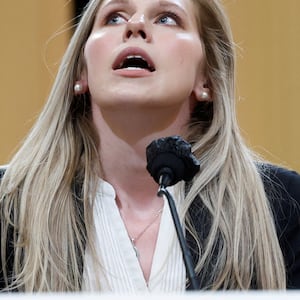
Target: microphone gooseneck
<point x="170" y="160"/>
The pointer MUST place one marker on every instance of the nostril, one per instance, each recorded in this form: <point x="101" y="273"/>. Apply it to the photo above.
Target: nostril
<point x="143" y="34"/>
<point x="129" y="33"/>
<point x="140" y="33"/>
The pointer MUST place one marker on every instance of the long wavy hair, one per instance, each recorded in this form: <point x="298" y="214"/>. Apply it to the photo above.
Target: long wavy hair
<point x="46" y="192"/>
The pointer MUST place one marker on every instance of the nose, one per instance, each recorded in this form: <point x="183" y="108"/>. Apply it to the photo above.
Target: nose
<point x="137" y="27"/>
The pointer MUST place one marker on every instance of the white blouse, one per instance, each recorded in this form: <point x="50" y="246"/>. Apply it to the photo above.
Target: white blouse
<point x="118" y="269"/>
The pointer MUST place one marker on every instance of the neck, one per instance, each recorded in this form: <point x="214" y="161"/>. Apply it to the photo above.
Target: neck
<point x="123" y="141"/>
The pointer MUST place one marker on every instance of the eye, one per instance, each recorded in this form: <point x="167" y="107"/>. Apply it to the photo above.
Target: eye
<point x="115" y="19"/>
<point x="168" y="18"/>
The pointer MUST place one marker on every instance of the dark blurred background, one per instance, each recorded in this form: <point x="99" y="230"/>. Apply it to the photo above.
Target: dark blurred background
<point x="79" y="6"/>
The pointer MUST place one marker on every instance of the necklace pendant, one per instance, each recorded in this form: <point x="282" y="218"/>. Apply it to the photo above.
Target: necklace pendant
<point x="133" y="240"/>
<point x="135" y="248"/>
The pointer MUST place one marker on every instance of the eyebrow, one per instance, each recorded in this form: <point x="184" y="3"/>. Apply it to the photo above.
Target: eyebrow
<point x="164" y="3"/>
<point x="113" y="2"/>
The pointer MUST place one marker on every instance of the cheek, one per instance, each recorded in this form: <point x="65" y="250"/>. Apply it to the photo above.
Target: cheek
<point x="189" y="52"/>
<point x="97" y="48"/>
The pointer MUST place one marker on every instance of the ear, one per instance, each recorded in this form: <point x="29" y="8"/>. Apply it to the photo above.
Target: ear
<point x="202" y="90"/>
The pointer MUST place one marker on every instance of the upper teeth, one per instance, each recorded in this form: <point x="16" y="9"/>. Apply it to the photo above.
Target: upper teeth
<point x="133" y="57"/>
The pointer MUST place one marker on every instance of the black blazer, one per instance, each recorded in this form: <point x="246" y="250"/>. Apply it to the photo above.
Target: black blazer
<point x="285" y="204"/>
<point x="283" y="190"/>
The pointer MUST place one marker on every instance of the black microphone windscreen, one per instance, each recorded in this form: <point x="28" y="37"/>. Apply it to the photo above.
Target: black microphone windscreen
<point x="171" y="156"/>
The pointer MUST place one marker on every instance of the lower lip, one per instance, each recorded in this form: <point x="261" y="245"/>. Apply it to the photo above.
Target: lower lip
<point x="133" y="72"/>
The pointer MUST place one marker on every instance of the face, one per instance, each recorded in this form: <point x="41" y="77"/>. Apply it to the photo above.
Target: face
<point x="144" y="53"/>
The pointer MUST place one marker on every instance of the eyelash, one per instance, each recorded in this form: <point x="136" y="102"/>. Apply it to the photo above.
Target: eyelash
<point x="172" y="15"/>
<point x="110" y="16"/>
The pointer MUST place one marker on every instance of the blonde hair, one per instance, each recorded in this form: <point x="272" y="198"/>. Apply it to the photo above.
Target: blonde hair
<point x="47" y="190"/>
<point x="230" y="184"/>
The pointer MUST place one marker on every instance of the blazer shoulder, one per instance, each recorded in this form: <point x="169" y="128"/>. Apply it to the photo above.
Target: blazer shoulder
<point x="282" y="187"/>
<point x="282" y="182"/>
<point x="283" y="191"/>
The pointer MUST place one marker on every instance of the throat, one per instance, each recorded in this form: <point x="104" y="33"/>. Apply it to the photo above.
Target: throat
<point x="135" y="123"/>
<point x="132" y="120"/>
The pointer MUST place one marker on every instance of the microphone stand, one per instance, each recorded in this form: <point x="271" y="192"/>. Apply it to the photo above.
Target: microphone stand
<point x="185" y="250"/>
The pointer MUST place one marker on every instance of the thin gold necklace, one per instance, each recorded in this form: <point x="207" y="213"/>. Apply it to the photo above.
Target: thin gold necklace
<point x="133" y="240"/>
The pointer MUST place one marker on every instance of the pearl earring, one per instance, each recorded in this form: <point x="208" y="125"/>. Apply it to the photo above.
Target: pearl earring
<point x="204" y="95"/>
<point x="78" y="88"/>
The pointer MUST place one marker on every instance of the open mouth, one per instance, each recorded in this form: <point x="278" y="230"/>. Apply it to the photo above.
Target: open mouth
<point x="135" y="59"/>
<point x="135" y="62"/>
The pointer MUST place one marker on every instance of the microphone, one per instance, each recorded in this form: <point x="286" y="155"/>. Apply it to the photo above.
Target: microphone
<point x="169" y="160"/>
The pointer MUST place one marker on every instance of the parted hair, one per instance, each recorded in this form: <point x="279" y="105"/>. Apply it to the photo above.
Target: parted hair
<point x="48" y="187"/>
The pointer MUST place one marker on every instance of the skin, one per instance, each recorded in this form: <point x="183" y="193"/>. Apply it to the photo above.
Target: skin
<point x="131" y="107"/>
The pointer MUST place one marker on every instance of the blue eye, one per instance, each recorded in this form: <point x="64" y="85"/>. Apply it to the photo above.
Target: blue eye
<point x="168" y="19"/>
<point x="115" y="19"/>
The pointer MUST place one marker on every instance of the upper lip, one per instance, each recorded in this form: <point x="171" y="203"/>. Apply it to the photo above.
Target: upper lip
<point x="133" y="52"/>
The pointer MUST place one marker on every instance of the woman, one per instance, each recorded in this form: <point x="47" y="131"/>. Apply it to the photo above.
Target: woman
<point x="80" y="211"/>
